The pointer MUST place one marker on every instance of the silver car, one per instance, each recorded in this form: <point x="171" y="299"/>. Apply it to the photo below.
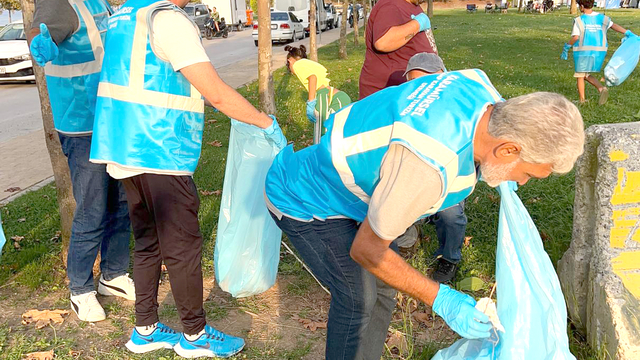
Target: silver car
<point x="285" y="27"/>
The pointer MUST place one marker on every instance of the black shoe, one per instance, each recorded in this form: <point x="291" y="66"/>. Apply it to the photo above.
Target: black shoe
<point x="445" y="271"/>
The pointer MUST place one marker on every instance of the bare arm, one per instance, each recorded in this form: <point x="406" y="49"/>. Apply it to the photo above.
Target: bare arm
<point x="397" y="36"/>
<point x="32" y="33"/>
<point x="374" y="254"/>
<point x="573" y="40"/>
<point x="313" y="83"/>
<point x="618" y="28"/>
<point x="224" y="98"/>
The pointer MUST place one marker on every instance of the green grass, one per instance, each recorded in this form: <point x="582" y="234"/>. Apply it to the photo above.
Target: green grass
<point x="520" y="53"/>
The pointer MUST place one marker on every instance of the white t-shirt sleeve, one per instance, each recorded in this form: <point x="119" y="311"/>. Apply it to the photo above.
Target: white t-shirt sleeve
<point x="407" y="189"/>
<point x="176" y="40"/>
<point x="576" y="29"/>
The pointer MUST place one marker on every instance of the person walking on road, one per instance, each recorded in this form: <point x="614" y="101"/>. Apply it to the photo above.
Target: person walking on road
<point x="148" y="131"/>
<point x="391" y="159"/>
<point x="396" y="30"/>
<point x="68" y="36"/>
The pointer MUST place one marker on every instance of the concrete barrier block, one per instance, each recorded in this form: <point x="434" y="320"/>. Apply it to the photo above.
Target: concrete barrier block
<point x="600" y="273"/>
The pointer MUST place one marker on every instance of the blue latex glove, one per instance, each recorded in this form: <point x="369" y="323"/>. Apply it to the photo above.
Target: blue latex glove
<point x="423" y="20"/>
<point x="565" y="52"/>
<point x="274" y="134"/>
<point x="43" y="49"/>
<point x="311" y="110"/>
<point x="458" y="310"/>
<point x="627" y="35"/>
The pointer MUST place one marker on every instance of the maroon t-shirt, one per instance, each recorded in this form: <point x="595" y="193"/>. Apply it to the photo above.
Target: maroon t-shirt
<point x="381" y="70"/>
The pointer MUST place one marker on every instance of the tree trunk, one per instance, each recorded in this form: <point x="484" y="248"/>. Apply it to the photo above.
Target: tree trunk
<point x="343" y="30"/>
<point x="520" y="5"/>
<point x="430" y="9"/>
<point x="10" y="21"/>
<point x="66" y="203"/>
<point x="265" y="78"/>
<point x="364" y="7"/>
<point x="574" y="7"/>
<point x="356" y="31"/>
<point x="313" y="28"/>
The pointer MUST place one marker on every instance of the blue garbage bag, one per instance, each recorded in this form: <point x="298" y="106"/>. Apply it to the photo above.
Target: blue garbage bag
<point x="531" y="306"/>
<point x="247" y="249"/>
<point x="3" y="239"/>
<point x="623" y="61"/>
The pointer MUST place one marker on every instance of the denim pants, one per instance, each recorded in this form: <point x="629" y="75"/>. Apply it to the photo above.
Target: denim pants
<point x="101" y="221"/>
<point x="361" y="305"/>
<point x="451" y="225"/>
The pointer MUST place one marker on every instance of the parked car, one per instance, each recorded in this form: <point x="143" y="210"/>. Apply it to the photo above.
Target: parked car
<point x="15" y="59"/>
<point x="332" y="16"/>
<point x="199" y="14"/>
<point x="285" y="27"/>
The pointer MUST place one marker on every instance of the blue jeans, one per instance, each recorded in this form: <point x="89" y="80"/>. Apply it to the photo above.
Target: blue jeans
<point x="361" y="305"/>
<point x="451" y="225"/>
<point x="101" y="221"/>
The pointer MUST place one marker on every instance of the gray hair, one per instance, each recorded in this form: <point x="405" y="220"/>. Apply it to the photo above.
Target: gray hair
<point x="547" y="126"/>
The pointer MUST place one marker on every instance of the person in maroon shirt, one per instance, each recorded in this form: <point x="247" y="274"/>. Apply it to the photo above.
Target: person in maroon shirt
<point x="396" y="30"/>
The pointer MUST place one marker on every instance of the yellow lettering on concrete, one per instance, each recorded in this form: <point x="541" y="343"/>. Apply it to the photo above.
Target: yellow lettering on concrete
<point x="627" y="190"/>
<point x="618" y="155"/>
<point x="626" y="225"/>
<point x="627" y="267"/>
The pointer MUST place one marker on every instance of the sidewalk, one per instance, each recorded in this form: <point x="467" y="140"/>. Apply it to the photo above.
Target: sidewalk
<point x="25" y="160"/>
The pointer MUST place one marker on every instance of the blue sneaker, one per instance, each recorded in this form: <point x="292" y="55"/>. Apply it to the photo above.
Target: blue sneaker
<point x="163" y="337"/>
<point x="212" y="343"/>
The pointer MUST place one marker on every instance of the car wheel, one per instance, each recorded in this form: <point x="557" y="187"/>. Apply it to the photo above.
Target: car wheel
<point x="255" y="42"/>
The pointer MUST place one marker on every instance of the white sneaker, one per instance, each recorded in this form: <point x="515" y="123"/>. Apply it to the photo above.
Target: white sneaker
<point x="121" y="286"/>
<point x="87" y="307"/>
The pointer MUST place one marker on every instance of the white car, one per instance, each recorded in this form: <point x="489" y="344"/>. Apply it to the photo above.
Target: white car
<point x="285" y="27"/>
<point x="15" y="60"/>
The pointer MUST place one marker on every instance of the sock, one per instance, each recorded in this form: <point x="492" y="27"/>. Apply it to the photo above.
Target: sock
<point x="194" y="337"/>
<point x="146" y="330"/>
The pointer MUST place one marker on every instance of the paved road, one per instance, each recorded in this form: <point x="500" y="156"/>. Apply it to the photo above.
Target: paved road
<point x="20" y="109"/>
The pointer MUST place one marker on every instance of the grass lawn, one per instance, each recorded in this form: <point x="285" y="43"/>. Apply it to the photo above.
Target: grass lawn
<point x="520" y="53"/>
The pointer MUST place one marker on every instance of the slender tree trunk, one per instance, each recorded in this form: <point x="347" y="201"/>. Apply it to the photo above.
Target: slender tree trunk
<point x="313" y="27"/>
<point x="356" y="31"/>
<point x="265" y="78"/>
<point x="574" y="7"/>
<point x="343" y="30"/>
<point x="365" y="3"/>
<point x="66" y="203"/>
<point x="10" y="21"/>
<point x="430" y="9"/>
<point x="520" y="5"/>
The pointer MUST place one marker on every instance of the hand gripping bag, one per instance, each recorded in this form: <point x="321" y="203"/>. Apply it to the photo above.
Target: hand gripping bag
<point x="247" y="249"/>
<point x="530" y="303"/>
<point x="623" y="61"/>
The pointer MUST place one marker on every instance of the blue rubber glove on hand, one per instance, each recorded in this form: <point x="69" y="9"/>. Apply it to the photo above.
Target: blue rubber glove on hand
<point x="627" y="35"/>
<point x="458" y="310"/>
<point x="43" y="49"/>
<point x="274" y="134"/>
<point x="311" y="110"/>
<point x="565" y="52"/>
<point x="423" y="20"/>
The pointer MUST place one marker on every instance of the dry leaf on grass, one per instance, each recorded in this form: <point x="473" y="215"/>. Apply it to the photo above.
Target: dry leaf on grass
<point x="467" y="240"/>
<point x="207" y="192"/>
<point x="17" y="238"/>
<point x="215" y="143"/>
<point x="22" y="219"/>
<point x="397" y="340"/>
<point x="423" y="318"/>
<point x="311" y="324"/>
<point x="44" y="317"/>
<point x="41" y="355"/>
<point x="211" y="121"/>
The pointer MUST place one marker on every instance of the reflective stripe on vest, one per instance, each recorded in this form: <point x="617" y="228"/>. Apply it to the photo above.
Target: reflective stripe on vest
<point x="581" y="46"/>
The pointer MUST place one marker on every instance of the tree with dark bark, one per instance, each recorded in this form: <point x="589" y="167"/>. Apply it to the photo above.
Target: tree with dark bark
<point x="266" y="92"/>
<point x="356" y="31"/>
<point x="343" y="30"/>
<point x="66" y="202"/>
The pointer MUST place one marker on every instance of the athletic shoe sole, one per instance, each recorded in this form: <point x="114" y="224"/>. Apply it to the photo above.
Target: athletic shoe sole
<point x="196" y="353"/>
<point x="141" y="349"/>
<point x="110" y="290"/>
<point x="604" y="95"/>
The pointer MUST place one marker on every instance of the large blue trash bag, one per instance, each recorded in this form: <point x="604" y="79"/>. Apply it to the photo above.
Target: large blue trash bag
<point x="623" y="61"/>
<point x="530" y="303"/>
<point x="3" y="240"/>
<point x="247" y="248"/>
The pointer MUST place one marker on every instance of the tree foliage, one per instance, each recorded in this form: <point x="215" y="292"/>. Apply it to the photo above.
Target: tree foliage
<point x="10" y="4"/>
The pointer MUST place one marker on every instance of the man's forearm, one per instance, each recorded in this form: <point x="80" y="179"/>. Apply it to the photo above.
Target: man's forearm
<point x="573" y="40"/>
<point x="221" y="96"/>
<point x="374" y="254"/>
<point x="618" y="28"/>
<point x="397" y="36"/>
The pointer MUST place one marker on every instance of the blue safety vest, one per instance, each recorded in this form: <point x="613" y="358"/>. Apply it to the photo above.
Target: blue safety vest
<point x="148" y="116"/>
<point x="434" y="116"/>
<point x="72" y="77"/>
<point x="589" y="51"/>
